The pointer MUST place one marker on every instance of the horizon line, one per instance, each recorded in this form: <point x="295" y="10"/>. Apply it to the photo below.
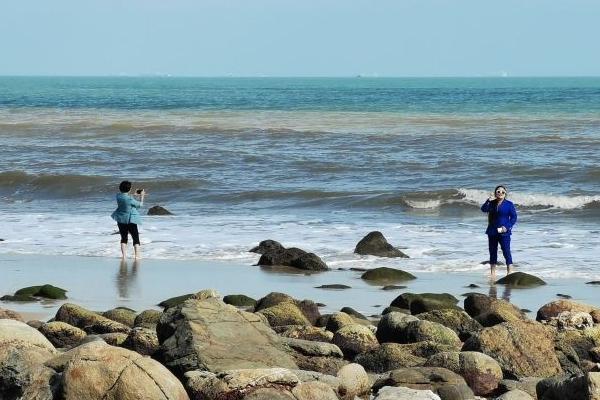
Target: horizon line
<point x="357" y="76"/>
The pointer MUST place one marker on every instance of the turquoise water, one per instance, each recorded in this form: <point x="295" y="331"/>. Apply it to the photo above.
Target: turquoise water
<point x="315" y="163"/>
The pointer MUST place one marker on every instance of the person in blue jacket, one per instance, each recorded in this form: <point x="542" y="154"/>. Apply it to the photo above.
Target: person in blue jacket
<point x="502" y="216"/>
<point x="128" y="218"/>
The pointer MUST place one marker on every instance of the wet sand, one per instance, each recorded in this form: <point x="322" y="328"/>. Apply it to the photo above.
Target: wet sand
<point x="100" y="283"/>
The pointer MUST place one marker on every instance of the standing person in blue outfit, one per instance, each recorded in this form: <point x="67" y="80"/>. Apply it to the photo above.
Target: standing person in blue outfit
<point x="502" y="216"/>
<point x="128" y="218"/>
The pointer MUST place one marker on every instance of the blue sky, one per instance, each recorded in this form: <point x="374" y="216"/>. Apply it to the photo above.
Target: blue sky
<point x="300" y="38"/>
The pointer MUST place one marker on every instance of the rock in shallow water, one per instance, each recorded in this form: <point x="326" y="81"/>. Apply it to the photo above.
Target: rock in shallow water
<point x="520" y="280"/>
<point x="384" y="275"/>
<point x="158" y="210"/>
<point x="375" y="244"/>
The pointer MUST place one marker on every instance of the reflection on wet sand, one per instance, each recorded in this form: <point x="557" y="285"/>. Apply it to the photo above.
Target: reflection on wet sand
<point x="126" y="278"/>
<point x="493" y="291"/>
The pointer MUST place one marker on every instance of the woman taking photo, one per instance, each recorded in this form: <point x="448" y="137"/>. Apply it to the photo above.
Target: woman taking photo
<point x="502" y="216"/>
<point x="128" y="218"/>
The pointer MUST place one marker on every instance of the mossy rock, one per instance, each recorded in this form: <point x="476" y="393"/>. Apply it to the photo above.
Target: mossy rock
<point x="124" y="315"/>
<point x="389" y="356"/>
<point x="272" y="299"/>
<point x="337" y="321"/>
<point x="239" y="300"/>
<point x="175" y="301"/>
<point x="286" y="313"/>
<point x="32" y="292"/>
<point x="390" y="309"/>
<point x="521" y="280"/>
<point x="405" y="299"/>
<point x="385" y="275"/>
<point x="352" y="312"/>
<point x="354" y="339"/>
<point x="419" y="331"/>
<point x="89" y="321"/>
<point x="423" y="305"/>
<point x="147" y="319"/>
<point x="457" y="320"/>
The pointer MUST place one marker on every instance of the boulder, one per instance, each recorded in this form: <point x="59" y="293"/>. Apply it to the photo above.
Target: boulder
<point x="385" y="275"/>
<point x="9" y="314"/>
<point x="389" y="356"/>
<point x="595" y="315"/>
<point x="392" y="326"/>
<point x="89" y="321"/>
<point x="572" y="348"/>
<point x="520" y="280"/>
<point x="337" y="321"/>
<point x="443" y="382"/>
<point x="239" y="300"/>
<point x="142" y="340"/>
<point x="147" y="319"/>
<point x="12" y="331"/>
<point x="375" y="244"/>
<point x="309" y="262"/>
<point x="33" y="293"/>
<point x="552" y="309"/>
<point x="354" y="381"/>
<point x="489" y="311"/>
<point x="515" y="394"/>
<point x="213" y="336"/>
<point x="574" y="320"/>
<point x="313" y="390"/>
<point x="175" y="301"/>
<point x="401" y="393"/>
<point x="522" y="348"/>
<point x="316" y="349"/>
<point x="308" y="307"/>
<point x="267" y="245"/>
<point x="457" y="320"/>
<point x="61" y="334"/>
<point x="419" y="331"/>
<point x="98" y="371"/>
<point x="353" y="313"/>
<point x="293" y="257"/>
<point x="354" y="339"/>
<point x="527" y="385"/>
<point x="481" y="372"/>
<point x="440" y="300"/>
<point x="286" y="313"/>
<point x="577" y="387"/>
<point x="158" y="210"/>
<point x="124" y="315"/>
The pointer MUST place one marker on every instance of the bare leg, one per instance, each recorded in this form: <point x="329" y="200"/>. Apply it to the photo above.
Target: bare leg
<point x="509" y="269"/>
<point x="123" y="250"/>
<point x="138" y="253"/>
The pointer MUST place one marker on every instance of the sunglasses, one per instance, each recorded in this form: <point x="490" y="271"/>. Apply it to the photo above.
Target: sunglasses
<point x="500" y="192"/>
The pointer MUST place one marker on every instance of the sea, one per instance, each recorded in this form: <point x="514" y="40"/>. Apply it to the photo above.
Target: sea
<point x="314" y="163"/>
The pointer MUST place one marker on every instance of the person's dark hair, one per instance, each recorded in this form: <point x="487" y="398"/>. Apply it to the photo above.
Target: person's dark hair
<point x="125" y="186"/>
<point x="501" y="186"/>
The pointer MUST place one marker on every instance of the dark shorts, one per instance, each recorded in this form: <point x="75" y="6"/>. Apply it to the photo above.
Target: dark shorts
<point x="126" y="229"/>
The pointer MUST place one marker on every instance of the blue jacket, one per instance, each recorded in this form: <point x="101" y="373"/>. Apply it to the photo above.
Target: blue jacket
<point x="126" y="212"/>
<point x="504" y="215"/>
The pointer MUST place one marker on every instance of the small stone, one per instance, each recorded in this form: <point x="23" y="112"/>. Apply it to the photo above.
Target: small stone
<point x="564" y="296"/>
<point x="393" y="287"/>
<point x="334" y="286"/>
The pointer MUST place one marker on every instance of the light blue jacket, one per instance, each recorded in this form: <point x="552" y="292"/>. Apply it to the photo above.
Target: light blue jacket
<point x="504" y="215"/>
<point x="126" y="212"/>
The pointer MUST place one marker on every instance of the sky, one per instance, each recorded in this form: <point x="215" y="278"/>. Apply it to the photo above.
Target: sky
<point x="300" y="38"/>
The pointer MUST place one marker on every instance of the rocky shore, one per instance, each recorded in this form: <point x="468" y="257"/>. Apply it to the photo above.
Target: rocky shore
<point x="202" y="346"/>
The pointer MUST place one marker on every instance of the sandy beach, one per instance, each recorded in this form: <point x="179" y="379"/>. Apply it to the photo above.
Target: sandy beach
<point x="100" y="283"/>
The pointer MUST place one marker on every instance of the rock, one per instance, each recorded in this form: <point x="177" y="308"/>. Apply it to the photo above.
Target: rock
<point x="206" y="294"/>
<point x="489" y="311"/>
<point x="419" y="331"/>
<point x="9" y="314"/>
<point x="337" y="321"/>
<point x="593" y="283"/>
<point x="213" y="336"/>
<point x="272" y="299"/>
<point x="147" y="319"/>
<point x="319" y="364"/>
<point x="393" y="287"/>
<point x="595" y="354"/>
<point x="312" y="333"/>
<point x="457" y="320"/>
<point x="62" y="335"/>
<point x="175" y="301"/>
<point x="520" y="280"/>
<point x="114" y="338"/>
<point x="400" y="393"/>
<point x="515" y="395"/>
<point x="570" y="388"/>
<point x="595" y="315"/>
<point x="440" y="299"/>
<point x="572" y="347"/>
<point x="353" y="313"/>
<point x="375" y="244"/>
<point x="313" y="391"/>
<point x="35" y="324"/>
<point x="12" y="331"/>
<point x="354" y="381"/>
<point x="33" y="293"/>
<point x="574" y="320"/>
<point x="527" y="385"/>
<point x="158" y="210"/>
<point x="443" y="382"/>
<point x="308" y="307"/>
<point x="88" y="321"/>
<point x="333" y="286"/>
<point x="124" y="315"/>
<point x="239" y="300"/>
<point x="98" y="371"/>
<point x="142" y="340"/>
<point x="481" y="372"/>
<point x="267" y="245"/>
<point x="522" y="348"/>
<point x="552" y="309"/>
<point x="391" y="327"/>
<point x="564" y="296"/>
<point x="293" y="257"/>
<point x="354" y="339"/>
<point x="423" y="305"/>
<point x="385" y="275"/>
<point x="390" y="309"/>
<point x="390" y="356"/>
<point x="316" y="349"/>
<point x="286" y="313"/>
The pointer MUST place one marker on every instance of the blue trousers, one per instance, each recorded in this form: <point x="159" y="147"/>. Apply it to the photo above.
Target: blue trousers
<point x="504" y="241"/>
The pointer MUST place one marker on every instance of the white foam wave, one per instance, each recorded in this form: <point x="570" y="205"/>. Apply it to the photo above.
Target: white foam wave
<point x="533" y="200"/>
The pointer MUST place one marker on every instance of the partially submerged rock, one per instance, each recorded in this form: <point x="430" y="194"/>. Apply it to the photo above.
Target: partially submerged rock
<point x="375" y="244"/>
<point x="292" y="257"/>
<point x="520" y="280"/>
<point x="267" y="245"/>
<point x="158" y="210"/>
<point x="34" y="293"/>
<point x="385" y="275"/>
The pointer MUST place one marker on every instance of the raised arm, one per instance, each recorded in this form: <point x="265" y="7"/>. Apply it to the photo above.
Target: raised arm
<point x="486" y="206"/>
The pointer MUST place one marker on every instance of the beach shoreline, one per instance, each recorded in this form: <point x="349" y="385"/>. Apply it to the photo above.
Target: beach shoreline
<point x="102" y="283"/>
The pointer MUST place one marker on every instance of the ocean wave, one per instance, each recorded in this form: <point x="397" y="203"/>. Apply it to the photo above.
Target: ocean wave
<point x="536" y="200"/>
